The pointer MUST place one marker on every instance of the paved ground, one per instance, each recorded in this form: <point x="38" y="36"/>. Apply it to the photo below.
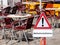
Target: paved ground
<point x="55" y="40"/>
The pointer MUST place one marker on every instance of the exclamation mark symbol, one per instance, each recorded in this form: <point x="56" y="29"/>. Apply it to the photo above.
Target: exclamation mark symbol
<point x="42" y="22"/>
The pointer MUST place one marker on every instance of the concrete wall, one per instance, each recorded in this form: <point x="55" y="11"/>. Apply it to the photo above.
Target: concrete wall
<point x="12" y="2"/>
<point x="17" y="0"/>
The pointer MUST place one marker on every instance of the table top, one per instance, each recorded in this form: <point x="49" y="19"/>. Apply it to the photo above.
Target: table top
<point x="18" y="16"/>
<point x="52" y="9"/>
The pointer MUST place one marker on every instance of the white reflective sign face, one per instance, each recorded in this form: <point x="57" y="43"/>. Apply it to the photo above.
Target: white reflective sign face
<point x="44" y="23"/>
<point x="42" y="33"/>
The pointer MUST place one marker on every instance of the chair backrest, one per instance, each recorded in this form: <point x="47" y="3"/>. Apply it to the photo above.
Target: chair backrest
<point x="26" y="23"/>
<point x="29" y="22"/>
<point x="0" y="13"/>
<point x="47" y="12"/>
<point x="7" y="10"/>
<point x="14" y="10"/>
<point x="8" y="20"/>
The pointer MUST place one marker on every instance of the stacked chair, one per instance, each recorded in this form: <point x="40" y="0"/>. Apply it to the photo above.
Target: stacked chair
<point x="57" y="21"/>
<point x="9" y="24"/>
<point x="49" y="16"/>
<point x="3" y="21"/>
<point x="26" y="24"/>
<point x="6" y="23"/>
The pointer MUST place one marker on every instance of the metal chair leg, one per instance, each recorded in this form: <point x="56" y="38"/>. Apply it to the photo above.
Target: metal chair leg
<point x="20" y="36"/>
<point x="12" y="34"/>
<point x="3" y="35"/>
<point x="25" y="37"/>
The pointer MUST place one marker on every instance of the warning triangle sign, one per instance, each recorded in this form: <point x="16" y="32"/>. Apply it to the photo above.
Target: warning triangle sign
<point x="42" y="22"/>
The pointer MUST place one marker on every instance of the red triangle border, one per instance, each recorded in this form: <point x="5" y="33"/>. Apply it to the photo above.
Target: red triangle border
<point x="42" y="14"/>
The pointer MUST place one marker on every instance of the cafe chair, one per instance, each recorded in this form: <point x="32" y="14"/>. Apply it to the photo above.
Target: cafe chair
<point x="23" y="8"/>
<point x="6" y="11"/>
<point x="2" y="30"/>
<point x="4" y="24"/>
<point x="57" y="23"/>
<point x="9" y="26"/>
<point x="50" y="17"/>
<point x="8" y="23"/>
<point x="14" y="10"/>
<point x="0" y="13"/>
<point x="1" y="26"/>
<point x="25" y="24"/>
<point x="37" y="9"/>
<point x="47" y="13"/>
